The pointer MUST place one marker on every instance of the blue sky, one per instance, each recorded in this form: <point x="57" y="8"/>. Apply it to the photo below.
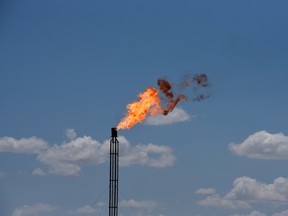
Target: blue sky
<point x="68" y="70"/>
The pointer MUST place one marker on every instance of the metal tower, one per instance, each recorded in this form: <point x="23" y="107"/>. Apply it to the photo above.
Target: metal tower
<point x="114" y="173"/>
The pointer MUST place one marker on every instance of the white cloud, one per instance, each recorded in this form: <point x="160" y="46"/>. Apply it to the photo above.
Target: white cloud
<point x="205" y="191"/>
<point x="87" y="209"/>
<point x="177" y="115"/>
<point x="101" y="204"/>
<point x="257" y="213"/>
<point x="140" y="207"/>
<point x="147" y="155"/>
<point x="247" y="190"/>
<point x="216" y="200"/>
<point x="253" y="213"/>
<point x="149" y="204"/>
<point x="283" y="213"/>
<point x="38" y="171"/>
<point x="68" y="158"/>
<point x="33" y="210"/>
<point x="71" y="134"/>
<point x="262" y="145"/>
<point x="32" y="145"/>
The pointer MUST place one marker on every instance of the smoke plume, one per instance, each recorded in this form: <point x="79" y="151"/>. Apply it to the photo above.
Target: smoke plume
<point x="151" y="104"/>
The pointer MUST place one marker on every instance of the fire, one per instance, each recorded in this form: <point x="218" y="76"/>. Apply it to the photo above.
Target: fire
<point x="150" y="104"/>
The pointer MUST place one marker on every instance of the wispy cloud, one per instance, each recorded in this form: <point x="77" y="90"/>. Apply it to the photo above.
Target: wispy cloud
<point x="140" y="207"/>
<point x="257" y="213"/>
<point x="152" y="155"/>
<point x="177" y="115"/>
<point x="33" y="210"/>
<point x="39" y="172"/>
<point x="205" y="191"/>
<point x="262" y="145"/>
<point x="71" y="134"/>
<point x="253" y="213"/>
<point x="149" y="204"/>
<point x="87" y="209"/>
<point x="32" y="145"/>
<point x="247" y="191"/>
<point x="216" y="200"/>
<point x="68" y="158"/>
<point x="283" y="213"/>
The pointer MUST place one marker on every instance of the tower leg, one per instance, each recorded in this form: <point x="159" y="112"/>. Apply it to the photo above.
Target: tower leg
<point x="114" y="174"/>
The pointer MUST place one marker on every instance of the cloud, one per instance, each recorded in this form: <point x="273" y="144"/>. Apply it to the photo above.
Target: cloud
<point x="32" y="145"/>
<point x="216" y="200"/>
<point x="247" y="191"/>
<point x="262" y="145"/>
<point x="152" y="155"/>
<point x="38" y="171"/>
<point x="87" y="209"/>
<point x="141" y="207"/>
<point x="177" y="115"/>
<point x="33" y="210"/>
<point x="283" y="213"/>
<point x="246" y="188"/>
<point x="71" y="134"/>
<point x="68" y="158"/>
<point x="149" y="204"/>
<point x="205" y="191"/>
<point x="257" y="213"/>
<point x="253" y="213"/>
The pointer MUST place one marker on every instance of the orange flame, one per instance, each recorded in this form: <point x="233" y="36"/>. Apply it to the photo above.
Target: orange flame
<point x="149" y="104"/>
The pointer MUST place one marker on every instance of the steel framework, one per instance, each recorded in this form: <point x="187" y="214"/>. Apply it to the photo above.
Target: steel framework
<point x="114" y="173"/>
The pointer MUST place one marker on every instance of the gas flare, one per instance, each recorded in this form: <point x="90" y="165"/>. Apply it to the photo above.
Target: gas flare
<point x="150" y="104"/>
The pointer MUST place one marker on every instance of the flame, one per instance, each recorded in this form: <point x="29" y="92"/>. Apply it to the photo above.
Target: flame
<point x="149" y="104"/>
